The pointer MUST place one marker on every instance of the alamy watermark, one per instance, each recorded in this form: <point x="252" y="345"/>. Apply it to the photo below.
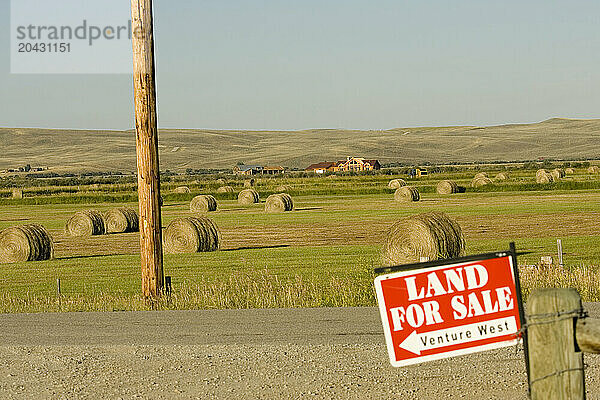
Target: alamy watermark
<point x="71" y="36"/>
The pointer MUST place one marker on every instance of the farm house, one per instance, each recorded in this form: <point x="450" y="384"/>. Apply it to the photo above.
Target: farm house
<point x="322" y="167"/>
<point x="247" y="169"/>
<point x="350" y="164"/>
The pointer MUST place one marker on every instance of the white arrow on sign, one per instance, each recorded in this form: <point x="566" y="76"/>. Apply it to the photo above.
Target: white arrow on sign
<point x="418" y="342"/>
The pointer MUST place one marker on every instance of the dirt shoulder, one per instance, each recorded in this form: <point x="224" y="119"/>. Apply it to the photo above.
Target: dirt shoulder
<point x="232" y="354"/>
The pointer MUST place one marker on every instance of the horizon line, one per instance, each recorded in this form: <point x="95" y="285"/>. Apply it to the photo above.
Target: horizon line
<point x="301" y="130"/>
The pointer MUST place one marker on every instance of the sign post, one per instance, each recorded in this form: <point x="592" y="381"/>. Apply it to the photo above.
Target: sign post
<point x="147" y="148"/>
<point x="447" y="308"/>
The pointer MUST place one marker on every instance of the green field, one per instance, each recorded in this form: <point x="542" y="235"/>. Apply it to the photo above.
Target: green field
<point x="321" y="254"/>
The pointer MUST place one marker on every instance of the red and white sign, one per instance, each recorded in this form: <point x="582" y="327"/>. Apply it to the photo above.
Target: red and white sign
<point x="445" y="311"/>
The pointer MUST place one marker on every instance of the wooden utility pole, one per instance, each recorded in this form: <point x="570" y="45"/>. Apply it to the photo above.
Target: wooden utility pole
<point x="147" y="148"/>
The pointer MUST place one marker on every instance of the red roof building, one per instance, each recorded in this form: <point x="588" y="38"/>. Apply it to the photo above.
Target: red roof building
<point x="320" y="168"/>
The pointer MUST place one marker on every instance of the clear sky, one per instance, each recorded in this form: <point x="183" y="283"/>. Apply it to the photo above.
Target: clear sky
<point x="364" y="64"/>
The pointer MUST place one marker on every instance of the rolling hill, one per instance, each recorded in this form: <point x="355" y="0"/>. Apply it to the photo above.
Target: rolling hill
<point x="89" y="150"/>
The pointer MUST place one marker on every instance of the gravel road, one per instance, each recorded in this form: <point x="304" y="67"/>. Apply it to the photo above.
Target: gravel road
<point x="239" y="354"/>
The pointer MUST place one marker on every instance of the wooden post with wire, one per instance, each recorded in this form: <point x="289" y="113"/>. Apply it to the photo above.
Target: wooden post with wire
<point x="147" y="148"/>
<point x="559" y="332"/>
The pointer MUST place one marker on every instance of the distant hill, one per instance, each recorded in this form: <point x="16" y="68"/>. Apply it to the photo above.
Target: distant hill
<point x="64" y="150"/>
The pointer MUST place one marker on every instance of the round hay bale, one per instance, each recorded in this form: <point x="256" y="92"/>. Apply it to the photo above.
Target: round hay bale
<point x="250" y="183"/>
<point x="433" y="236"/>
<point x="569" y="171"/>
<point x="182" y="190"/>
<point x="86" y="223"/>
<point x="561" y="172"/>
<point x="203" y="204"/>
<point x="557" y="174"/>
<point x="17" y="193"/>
<point x="288" y="200"/>
<point x="407" y="194"/>
<point x="481" y="175"/>
<point x="121" y="220"/>
<point x="593" y="170"/>
<point x="248" y="196"/>
<point x="283" y="188"/>
<point x="225" y="189"/>
<point x="447" y="187"/>
<point x="191" y="235"/>
<point x="396" y="183"/>
<point x="481" y="181"/>
<point x="25" y="243"/>
<point x="502" y="176"/>
<point x="221" y="181"/>
<point x="546" y="177"/>
<point x="277" y="203"/>
<point x="541" y="172"/>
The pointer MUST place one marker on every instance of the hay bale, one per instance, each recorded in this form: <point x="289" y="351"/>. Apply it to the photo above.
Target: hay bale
<point x="569" y="171"/>
<point x="593" y="170"/>
<point x="481" y="181"/>
<point x="250" y="183"/>
<point x="248" y="196"/>
<point x="277" y="203"/>
<point x="203" y="204"/>
<point x="283" y="188"/>
<point x="25" y="243"/>
<point x="544" y="177"/>
<point x="481" y="175"/>
<point x="431" y="236"/>
<point x="191" y="235"/>
<point x="221" y="181"/>
<point x="561" y="172"/>
<point x="396" y="183"/>
<point x="502" y="176"/>
<point x="86" y="223"/>
<point x="121" y="220"/>
<point x="17" y="193"/>
<point x="407" y="194"/>
<point x="558" y="173"/>
<point x="225" y="189"/>
<point x="541" y="172"/>
<point x="182" y="190"/>
<point x="447" y="187"/>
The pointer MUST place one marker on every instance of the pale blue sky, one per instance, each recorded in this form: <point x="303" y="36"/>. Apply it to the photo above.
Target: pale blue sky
<point x="282" y="64"/>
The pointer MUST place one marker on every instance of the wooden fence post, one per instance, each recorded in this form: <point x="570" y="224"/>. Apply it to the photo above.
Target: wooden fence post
<point x="560" y="252"/>
<point x="555" y="359"/>
<point x="147" y="148"/>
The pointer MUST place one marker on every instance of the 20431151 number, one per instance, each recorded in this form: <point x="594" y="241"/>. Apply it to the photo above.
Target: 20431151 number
<point x="26" y="47"/>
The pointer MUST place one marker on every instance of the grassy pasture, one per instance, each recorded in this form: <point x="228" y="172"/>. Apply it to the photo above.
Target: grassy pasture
<point x="321" y="254"/>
